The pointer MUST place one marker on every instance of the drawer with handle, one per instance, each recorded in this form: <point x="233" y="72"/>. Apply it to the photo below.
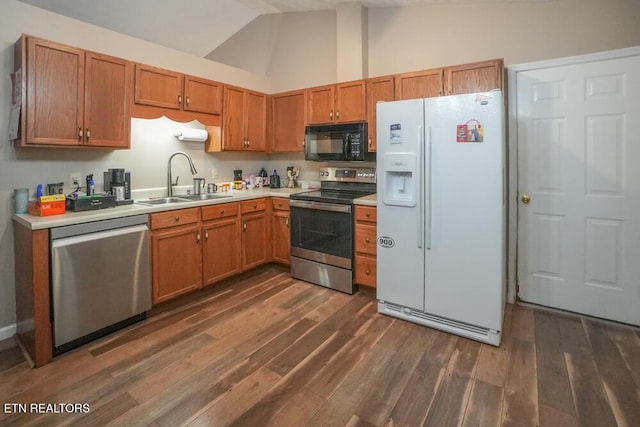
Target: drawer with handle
<point x="366" y="213"/>
<point x="174" y="218"/>
<point x="224" y="210"/>
<point x="254" y="205"/>
<point x="365" y="237"/>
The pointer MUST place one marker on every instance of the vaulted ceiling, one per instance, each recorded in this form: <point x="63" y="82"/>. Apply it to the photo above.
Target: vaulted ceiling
<point x="197" y="26"/>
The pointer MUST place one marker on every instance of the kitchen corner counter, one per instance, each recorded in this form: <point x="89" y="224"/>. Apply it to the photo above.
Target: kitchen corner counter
<point x="35" y="222"/>
<point x="370" y="200"/>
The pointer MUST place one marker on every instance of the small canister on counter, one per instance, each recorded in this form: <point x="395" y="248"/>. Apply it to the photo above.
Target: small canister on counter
<point x="21" y="200"/>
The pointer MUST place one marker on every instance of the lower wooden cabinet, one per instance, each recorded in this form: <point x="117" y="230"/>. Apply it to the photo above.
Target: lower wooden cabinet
<point x="195" y="247"/>
<point x="255" y="232"/>
<point x="365" y="246"/>
<point x="221" y="244"/>
<point x="175" y="253"/>
<point x="281" y="238"/>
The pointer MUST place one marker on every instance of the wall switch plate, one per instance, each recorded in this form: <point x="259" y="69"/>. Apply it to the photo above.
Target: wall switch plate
<point x="75" y="180"/>
<point x="214" y="173"/>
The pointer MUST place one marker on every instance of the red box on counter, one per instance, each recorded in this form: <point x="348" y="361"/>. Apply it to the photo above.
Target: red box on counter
<point x="48" y="205"/>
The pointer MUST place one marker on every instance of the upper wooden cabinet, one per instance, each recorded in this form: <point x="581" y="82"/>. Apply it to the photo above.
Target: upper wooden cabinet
<point x="244" y="120"/>
<point x="342" y="102"/>
<point x="458" y="79"/>
<point x="419" y="84"/>
<point x="289" y="120"/>
<point x="71" y="97"/>
<point x="179" y="96"/>
<point x="475" y="77"/>
<point x="379" y="89"/>
<point x="202" y="95"/>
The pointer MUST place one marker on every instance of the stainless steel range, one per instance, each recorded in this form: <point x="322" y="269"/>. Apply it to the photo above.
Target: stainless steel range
<point x="322" y="227"/>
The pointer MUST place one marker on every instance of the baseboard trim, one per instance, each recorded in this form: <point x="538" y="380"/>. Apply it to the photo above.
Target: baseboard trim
<point x="7" y="331"/>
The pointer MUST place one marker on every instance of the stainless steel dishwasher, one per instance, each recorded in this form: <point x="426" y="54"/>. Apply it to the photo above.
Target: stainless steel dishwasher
<point x="100" y="278"/>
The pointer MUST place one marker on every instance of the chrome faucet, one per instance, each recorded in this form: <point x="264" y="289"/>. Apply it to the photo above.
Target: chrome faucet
<point x="170" y="183"/>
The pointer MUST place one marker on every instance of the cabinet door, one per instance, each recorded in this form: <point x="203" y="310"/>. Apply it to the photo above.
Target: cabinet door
<point x="378" y="89"/>
<point x="158" y="87"/>
<point x="288" y="121"/>
<point x="476" y="77"/>
<point x="281" y="237"/>
<point x="351" y="103"/>
<point x="255" y="121"/>
<point x="221" y="249"/>
<point x="321" y="101"/>
<point x="55" y="94"/>
<point x="232" y="119"/>
<point x="254" y="240"/>
<point x="419" y="84"/>
<point x="176" y="261"/>
<point x="365" y="270"/>
<point x="202" y="96"/>
<point x="107" y="88"/>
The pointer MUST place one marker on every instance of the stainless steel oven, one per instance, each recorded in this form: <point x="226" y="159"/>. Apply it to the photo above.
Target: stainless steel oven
<point x="322" y="227"/>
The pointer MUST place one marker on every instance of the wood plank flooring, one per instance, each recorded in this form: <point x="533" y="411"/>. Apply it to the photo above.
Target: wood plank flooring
<point x="268" y="350"/>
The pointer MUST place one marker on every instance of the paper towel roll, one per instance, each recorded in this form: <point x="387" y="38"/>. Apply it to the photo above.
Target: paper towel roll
<point x="199" y="135"/>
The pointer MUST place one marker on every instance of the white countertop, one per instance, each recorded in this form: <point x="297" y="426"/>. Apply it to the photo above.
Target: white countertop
<point x="35" y="222"/>
<point x="370" y="200"/>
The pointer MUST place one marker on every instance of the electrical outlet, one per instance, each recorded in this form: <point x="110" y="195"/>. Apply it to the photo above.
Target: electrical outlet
<point x="75" y="179"/>
<point x="214" y="173"/>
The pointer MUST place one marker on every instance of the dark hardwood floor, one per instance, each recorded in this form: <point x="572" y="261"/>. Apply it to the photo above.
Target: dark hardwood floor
<point x="265" y="349"/>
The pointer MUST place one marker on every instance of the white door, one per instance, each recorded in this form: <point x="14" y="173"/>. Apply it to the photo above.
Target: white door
<point x="578" y="130"/>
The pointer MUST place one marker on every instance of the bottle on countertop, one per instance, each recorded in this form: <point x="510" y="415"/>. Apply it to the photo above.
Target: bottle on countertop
<point x="274" y="180"/>
<point x="91" y="185"/>
<point x="264" y="177"/>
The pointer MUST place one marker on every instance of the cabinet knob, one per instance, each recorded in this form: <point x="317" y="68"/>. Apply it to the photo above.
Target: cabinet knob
<point x="366" y="240"/>
<point x="244" y="227"/>
<point x="177" y="218"/>
<point x="338" y="114"/>
<point x="331" y="114"/>
<point x="80" y="133"/>
<point x="206" y="234"/>
<point x="255" y="206"/>
<point x="368" y="214"/>
<point x="367" y="272"/>
<point x="370" y="142"/>
<point x="287" y="221"/>
<point x="88" y="134"/>
<point x="179" y="99"/>
<point x="222" y="212"/>
<point x="187" y="101"/>
<point x="198" y="237"/>
<point x="248" y="143"/>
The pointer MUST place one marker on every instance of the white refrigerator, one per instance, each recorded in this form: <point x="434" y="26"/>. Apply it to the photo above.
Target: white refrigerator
<point x="441" y="213"/>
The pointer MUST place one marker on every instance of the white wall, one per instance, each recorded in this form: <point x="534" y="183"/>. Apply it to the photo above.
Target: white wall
<point x="305" y="51"/>
<point x="415" y="38"/>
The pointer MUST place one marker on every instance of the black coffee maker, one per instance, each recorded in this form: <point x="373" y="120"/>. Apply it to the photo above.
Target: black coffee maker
<point x="117" y="182"/>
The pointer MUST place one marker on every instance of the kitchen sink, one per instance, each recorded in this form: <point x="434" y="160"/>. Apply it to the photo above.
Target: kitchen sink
<point x="162" y="200"/>
<point x="207" y="196"/>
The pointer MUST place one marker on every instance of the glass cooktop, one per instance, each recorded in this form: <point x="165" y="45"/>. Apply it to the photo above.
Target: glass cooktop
<point x="331" y="196"/>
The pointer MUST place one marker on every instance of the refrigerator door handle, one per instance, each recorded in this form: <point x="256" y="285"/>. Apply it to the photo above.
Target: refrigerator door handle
<point x="420" y="187"/>
<point x="428" y="196"/>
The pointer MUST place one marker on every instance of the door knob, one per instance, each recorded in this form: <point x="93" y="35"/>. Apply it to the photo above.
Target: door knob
<point x="525" y="199"/>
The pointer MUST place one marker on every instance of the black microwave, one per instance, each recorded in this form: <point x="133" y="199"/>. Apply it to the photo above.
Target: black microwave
<point x="346" y="142"/>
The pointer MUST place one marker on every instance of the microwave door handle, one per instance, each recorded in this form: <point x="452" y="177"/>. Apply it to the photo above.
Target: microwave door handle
<point x="347" y="148"/>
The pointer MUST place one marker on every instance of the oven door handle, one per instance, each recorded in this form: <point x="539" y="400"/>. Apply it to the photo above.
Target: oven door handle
<point x="321" y="206"/>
